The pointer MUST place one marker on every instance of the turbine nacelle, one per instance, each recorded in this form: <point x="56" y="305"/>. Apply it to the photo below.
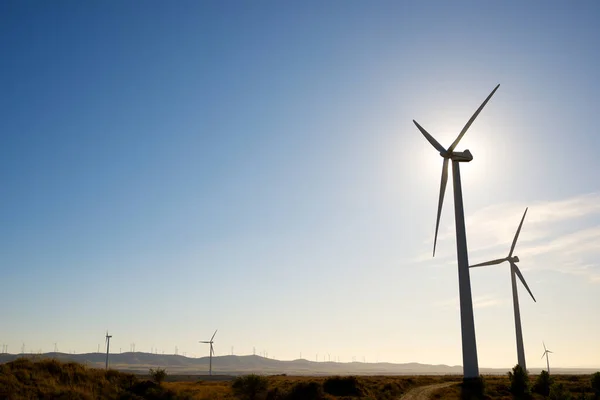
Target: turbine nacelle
<point x="459" y="156"/>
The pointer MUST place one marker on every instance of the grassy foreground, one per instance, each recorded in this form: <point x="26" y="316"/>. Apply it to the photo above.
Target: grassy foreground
<point x="564" y="387"/>
<point x="52" y="379"/>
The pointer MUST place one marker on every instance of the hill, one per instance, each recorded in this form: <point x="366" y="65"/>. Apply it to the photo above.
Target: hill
<point x="138" y="362"/>
<point x="51" y="379"/>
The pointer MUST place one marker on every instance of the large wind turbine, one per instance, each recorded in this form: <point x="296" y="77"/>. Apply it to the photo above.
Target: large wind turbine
<point x="469" y="345"/>
<point x="107" y="347"/>
<point x="211" y="352"/>
<point x="514" y="271"/>
<point x="546" y="351"/>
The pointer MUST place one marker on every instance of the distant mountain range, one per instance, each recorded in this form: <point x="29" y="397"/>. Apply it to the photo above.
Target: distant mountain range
<point x="138" y="362"/>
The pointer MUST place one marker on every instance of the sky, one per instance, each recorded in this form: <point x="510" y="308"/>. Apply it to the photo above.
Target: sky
<point x="169" y="169"/>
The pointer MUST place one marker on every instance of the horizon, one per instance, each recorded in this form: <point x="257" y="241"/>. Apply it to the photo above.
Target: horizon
<point x="266" y="357"/>
<point x="127" y="366"/>
<point x="171" y="169"/>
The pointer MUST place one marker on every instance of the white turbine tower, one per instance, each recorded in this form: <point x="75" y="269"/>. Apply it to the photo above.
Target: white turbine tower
<point x="469" y="345"/>
<point x="210" y="353"/>
<point x="107" y="347"/>
<point x="546" y="351"/>
<point x="514" y="272"/>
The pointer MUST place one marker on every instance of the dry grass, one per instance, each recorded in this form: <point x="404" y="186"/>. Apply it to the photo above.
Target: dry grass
<point x="371" y="387"/>
<point x="202" y="390"/>
<point x="498" y="388"/>
<point x="51" y="379"/>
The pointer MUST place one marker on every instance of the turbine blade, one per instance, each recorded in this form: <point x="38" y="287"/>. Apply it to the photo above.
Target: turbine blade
<point x="543" y="354"/>
<point x="203" y="342"/>
<point x="518" y="272"/>
<point x="514" y="243"/>
<point x="430" y="138"/>
<point x="549" y="351"/>
<point x="213" y="336"/>
<point x="493" y="262"/>
<point x="440" y="201"/>
<point x="468" y="125"/>
<point x="544" y="346"/>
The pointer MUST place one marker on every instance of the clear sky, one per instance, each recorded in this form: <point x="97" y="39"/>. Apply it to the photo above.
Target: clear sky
<point x="170" y="168"/>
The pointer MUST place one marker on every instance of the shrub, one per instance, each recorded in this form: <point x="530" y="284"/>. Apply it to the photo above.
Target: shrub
<point x="596" y="384"/>
<point x="342" y="386"/>
<point x="519" y="381"/>
<point x="558" y="392"/>
<point x="543" y="383"/>
<point x="158" y="375"/>
<point x="305" y="391"/>
<point x="250" y="387"/>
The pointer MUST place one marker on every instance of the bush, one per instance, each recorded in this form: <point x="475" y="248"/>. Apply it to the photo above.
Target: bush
<point x="250" y="387"/>
<point x="596" y="384"/>
<point x="519" y="381"/>
<point x="305" y="391"/>
<point x="158" y="375"/>
<point x="342" y="386"/>
<point x="543" y="383"/>
<point x="558" y="392"/>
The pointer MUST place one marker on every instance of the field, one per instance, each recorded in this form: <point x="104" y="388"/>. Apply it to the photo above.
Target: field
<point x="50" y="379"/>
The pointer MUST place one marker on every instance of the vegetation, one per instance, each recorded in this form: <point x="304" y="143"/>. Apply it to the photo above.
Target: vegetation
<point x="596" y="384"/>
<point x="472" y="389"/>
<point x="575" y="387"/>
<point x="158" y="375"/>
<point x="250" y="387"/>
<point x="558" y="392"/>
<point x="51" y="379"/>
<point x="305" y="391"/>
<point x="343" y="386"/>
<point x="543" y="383"/>
<point x="519" y="382"/>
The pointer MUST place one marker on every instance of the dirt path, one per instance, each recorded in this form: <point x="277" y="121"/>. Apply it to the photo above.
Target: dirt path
<point x="423" y="392"/>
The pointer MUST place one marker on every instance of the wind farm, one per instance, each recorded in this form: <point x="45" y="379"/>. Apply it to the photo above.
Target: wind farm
<point x="273" y="170"/>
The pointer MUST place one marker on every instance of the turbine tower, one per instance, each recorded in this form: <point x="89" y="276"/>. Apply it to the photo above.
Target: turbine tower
<point x="210" y="354"/>
<point x="546" y="351"/>
<point x="107" y="347"/>
<point x="514" y="272"/>
<point x="469" y="344"/>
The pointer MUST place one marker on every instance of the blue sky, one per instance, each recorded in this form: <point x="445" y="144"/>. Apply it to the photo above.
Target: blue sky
<point x="172" y="168"/>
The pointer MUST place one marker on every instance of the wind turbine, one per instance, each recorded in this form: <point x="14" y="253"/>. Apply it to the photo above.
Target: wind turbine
<point x="514" y="271"/>
<point x="469" y="345"/>
<point x="107" y="347"/>
<point x="546" y="351"/>
<point x="211" y="352"/>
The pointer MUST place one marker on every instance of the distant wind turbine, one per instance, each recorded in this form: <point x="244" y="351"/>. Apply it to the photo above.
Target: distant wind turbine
<point x="107" y="347"/>
<point x="514" y="272"/>
<point x="210" y="354"/>
<point x="546" y="351"/>
<point x="469" y="344"/>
